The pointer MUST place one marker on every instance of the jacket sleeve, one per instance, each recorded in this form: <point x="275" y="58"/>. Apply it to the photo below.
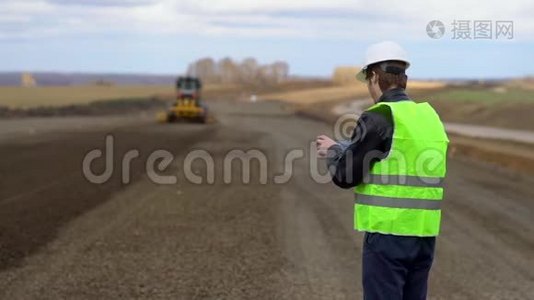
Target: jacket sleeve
<point x="348" y="163"/>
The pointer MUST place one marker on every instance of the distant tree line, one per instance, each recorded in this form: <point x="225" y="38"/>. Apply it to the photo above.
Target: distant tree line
<point x="248" y="71"/>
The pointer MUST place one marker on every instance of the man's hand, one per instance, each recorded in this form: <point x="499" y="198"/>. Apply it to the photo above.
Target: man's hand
<point x="323" y="143"/>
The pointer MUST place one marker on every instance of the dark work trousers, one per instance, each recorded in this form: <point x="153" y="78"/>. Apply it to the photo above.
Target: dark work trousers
<point x="396" y="267"/>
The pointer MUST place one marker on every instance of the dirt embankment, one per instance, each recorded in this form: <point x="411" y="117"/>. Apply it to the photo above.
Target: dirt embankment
<point x="103" y="107"/>
<point x="511" y="155"/>
<point x="501" y="105"/>
<point x="504" y="115"/>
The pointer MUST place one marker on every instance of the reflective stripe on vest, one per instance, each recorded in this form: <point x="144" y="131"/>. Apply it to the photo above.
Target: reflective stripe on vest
<point x="398" y="202"/>
<point x="404" y="180"/>
<point x="402" y="193"/>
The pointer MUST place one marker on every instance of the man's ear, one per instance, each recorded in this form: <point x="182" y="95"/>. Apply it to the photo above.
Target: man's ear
<point x="374" y="77"/>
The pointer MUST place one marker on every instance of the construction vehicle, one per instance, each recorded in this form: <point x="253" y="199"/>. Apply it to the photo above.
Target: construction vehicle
<point x="188" y="105"/>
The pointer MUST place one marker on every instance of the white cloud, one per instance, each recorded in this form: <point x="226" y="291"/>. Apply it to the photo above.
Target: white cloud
<point x="298" y="18"/>
<point x="120" y="3"/>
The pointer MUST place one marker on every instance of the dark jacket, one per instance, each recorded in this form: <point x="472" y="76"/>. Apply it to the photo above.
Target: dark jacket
<point x="348" y="163"/>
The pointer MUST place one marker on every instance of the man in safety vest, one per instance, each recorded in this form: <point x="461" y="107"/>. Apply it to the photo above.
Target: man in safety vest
<point x="396" y="162"/>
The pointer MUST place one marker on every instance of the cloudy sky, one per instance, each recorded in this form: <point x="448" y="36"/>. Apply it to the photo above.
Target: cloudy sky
<point x="163" y="36"/>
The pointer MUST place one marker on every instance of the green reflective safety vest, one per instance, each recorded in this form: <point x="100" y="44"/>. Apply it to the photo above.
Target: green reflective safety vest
<point x="402" y="193"/>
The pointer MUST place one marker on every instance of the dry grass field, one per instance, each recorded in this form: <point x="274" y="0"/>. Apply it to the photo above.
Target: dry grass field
<point x="319" y="95"/>
<point x="57" y="96"/>
<point x="340" y="92"/>
<point x="525" y="83"/>
<point x="28" y="97"/>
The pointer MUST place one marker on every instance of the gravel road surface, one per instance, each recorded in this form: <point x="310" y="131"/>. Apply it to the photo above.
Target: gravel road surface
<point x="62" y="237"/>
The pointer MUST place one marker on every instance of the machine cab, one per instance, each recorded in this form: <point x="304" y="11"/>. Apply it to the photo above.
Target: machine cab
<point x="188" y="88"/>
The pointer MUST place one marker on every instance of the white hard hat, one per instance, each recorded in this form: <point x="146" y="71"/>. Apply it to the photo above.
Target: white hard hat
<point x="383" y="51"/>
